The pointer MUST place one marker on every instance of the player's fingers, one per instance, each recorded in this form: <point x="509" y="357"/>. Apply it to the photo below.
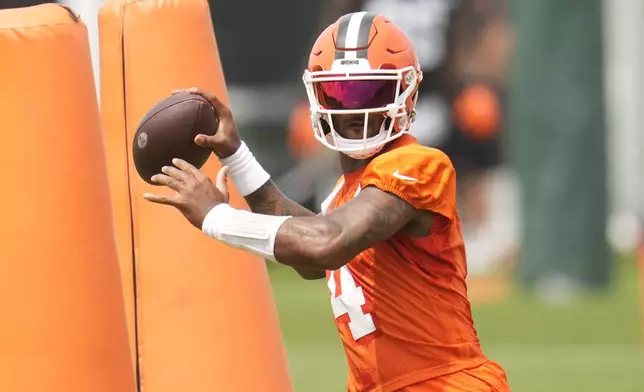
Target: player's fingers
<point x="160" y="199"/>
<point x="219" y="106"/>
<point x="168" y="181"/>
<point x="210" y="141"/>
<point x="222" y="110"/>
<point x="194" y="90"/>
<point x="175" y="173"/>
<point x="186" y="167"/>
<point x="222" y="182"/>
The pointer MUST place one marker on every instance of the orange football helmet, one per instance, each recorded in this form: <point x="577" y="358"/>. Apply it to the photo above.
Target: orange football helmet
<point x="362" y="64"/>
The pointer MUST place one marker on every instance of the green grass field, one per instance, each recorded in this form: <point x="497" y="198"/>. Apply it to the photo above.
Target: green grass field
<point x="593" y="345"/>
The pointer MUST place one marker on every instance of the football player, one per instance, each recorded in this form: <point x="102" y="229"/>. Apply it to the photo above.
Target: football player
<point x="388" y="239"/>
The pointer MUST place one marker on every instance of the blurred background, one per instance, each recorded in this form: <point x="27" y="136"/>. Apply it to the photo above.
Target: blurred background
<point x="538" y="104"/>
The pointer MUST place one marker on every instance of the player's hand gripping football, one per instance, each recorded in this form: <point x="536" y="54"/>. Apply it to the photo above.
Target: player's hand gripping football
<point x="226" y="140"/>
<point x="195" y="193"/>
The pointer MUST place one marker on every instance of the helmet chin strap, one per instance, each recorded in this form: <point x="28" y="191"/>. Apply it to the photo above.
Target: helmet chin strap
<point x="355" y="144"/>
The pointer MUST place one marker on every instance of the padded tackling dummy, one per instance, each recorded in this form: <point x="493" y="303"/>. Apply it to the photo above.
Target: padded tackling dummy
<point x="640" y="266"/>
<point x="203" y="312"/>
<point x="62" y="324"/>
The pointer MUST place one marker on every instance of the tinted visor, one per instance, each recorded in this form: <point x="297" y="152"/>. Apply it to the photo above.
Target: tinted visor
<point x="355" y="94"/>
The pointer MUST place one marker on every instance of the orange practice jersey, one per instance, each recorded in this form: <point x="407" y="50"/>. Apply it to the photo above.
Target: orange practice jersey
<point x="401" y="306"/>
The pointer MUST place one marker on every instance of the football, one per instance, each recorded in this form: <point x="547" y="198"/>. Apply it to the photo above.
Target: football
<point x="168" y="130"/>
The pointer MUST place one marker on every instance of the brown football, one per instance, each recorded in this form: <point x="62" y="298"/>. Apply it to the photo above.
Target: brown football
<point x="168" y="130"/>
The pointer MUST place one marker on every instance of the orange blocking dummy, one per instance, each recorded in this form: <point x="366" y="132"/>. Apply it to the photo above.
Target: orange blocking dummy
<point x="62" y="324"/>
<point x="640" y="265"/>
<point x="202" y="315"/>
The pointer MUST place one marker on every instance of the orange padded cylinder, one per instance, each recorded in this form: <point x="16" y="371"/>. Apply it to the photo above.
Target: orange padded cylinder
<point x="640" y="266"/>
<point x="62" y="319"/>
<point x="203" y="312"/>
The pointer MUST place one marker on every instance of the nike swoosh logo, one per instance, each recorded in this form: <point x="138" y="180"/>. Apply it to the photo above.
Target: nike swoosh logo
<point x="403" y="177"/>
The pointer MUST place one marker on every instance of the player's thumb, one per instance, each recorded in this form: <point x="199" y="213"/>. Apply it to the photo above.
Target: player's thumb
<point x="206" y="141"/>
<point x="221" y="183"/>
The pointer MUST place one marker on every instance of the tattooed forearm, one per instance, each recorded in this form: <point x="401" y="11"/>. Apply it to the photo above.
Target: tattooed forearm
<point x="302" y="242"/>
<point x="268" y="199"/>
<point x="333" y="240"/>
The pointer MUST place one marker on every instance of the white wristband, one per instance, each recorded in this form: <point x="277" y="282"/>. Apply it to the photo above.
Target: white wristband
<point x="244" y="170"/>
<point x="244" y="229"/>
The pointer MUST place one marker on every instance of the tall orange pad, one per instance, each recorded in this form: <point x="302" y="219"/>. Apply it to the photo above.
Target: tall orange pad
<point x="203" y="313"/>
<point x="640" y="266"/>
<point x="62" y="320"/>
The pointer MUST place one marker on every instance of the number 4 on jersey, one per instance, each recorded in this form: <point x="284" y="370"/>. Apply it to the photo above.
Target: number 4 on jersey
<point x="350" y="302"/>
